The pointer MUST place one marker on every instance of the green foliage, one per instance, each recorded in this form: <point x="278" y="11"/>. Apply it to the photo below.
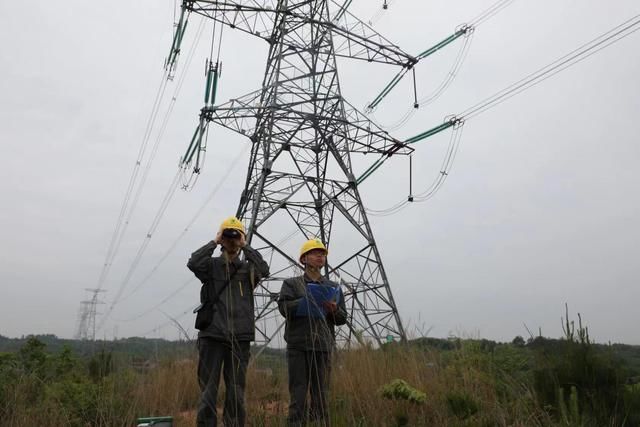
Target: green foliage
<point x="131" y="347"/>
<point x="400" y="390"/>
<point x="100" y="365"/>
<point x="41" y="388"/>
<point x="435" y="343"/>
<point x="76" y="398"/>
<point x="33" y="356"/>
<point x="569" y="413"/>
<point x="462" y="405"/>
<point x="66" y="362"/>
<point x="576" y="379"/>
<point x="518" y="341"/>
<point x="632" y="404"/>
<point x="8" y="376"/>
<point x="470" y="382"/>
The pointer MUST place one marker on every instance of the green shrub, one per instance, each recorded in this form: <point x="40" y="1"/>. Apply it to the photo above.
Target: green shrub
<point x="575" y="368"/>
<point x="462" y="405"/>
<point x="400" y="390"/>
<point x="632" y="404"/>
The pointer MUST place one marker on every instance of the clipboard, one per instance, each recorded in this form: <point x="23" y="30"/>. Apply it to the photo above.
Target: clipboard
<point x="312" y="303"/>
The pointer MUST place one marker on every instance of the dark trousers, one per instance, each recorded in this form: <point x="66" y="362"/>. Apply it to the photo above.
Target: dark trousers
<point x="232" y="359"/>
<point x="309" y="371"/>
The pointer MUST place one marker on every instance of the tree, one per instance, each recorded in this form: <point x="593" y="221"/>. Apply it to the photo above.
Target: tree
<point x="518" y="341"/>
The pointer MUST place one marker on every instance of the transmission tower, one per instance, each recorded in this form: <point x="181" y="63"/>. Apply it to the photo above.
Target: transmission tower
<point x="86" y="328"/>
<point x="304" y="135"/>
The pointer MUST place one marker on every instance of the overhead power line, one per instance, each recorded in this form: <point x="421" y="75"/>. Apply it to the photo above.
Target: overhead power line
<point x="113" y="245"/>
<point x="129" y="204"/>
<point x="464" y="31"/>
<point x="122" y="227"/>
<point x="570" y="59"/>
<point x="583" y="52"/>
<point x="195" y="217"/>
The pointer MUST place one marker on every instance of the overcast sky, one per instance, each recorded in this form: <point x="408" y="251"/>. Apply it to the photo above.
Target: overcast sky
<point x="541" y="207"/>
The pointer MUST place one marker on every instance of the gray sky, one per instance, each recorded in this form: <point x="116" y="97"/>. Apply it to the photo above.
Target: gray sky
<point x="540" y="209"/>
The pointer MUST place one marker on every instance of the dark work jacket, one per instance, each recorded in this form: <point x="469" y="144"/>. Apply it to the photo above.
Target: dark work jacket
<point x="233" y="316"/>
<point x="303" y="332"/>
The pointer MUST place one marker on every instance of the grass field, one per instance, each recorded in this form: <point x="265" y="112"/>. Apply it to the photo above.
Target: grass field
<point x="427" y="382"/>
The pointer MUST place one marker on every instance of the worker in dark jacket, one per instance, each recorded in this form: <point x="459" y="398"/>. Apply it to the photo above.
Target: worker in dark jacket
<point x="225" y="319"/>
<point x="312" y="306"/>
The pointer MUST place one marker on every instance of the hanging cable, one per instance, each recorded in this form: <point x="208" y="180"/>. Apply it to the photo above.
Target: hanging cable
<point x="462" y="30"/>
<point x="161" y="131"/>
<point x="130" y="204"/>
<point x="170" y="322"/>
<point x="583" y="52"/>
<point x="465" y="30"/>
<point x="174" y="53"/>
<point x="445" y="169"/>
<point x="451" y="75"/>
<point x="174" y="244"/>
<point x="113" y="245"/>
<point x="575" y="56"/>
<point x="439" y="90"/>
<point x="201" y="148"/>
<point x="190" y="56"/>
<point x="198" y="145"/>
<point x="152" y="228"/>
<point x="186" y="229"/>
<point x="490" y="12"/>
<point x="161" y="303"/>
<point x="141" y="249"/>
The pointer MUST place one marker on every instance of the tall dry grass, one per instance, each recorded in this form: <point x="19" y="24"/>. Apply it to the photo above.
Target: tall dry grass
<point x="463" y="376"/>
<point x="463" y="387"/>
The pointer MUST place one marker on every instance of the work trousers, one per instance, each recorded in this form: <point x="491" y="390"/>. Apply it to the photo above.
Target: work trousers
<point x="309" y="372"/>
<point x="231" y="358"/>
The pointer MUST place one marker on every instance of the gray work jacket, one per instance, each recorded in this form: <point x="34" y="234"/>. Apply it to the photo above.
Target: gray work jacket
<point x="304" y="332"/>
<point x="233" y="316"/>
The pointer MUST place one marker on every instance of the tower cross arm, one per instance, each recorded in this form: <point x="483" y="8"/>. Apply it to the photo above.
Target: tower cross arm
<point x="353" y="38"/>
<point x="353" y="132"/>
<point x="255" y="17"/>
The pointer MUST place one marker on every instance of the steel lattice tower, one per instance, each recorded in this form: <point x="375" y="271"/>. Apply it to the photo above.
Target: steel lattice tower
<point x="303" y="136"/>
<point x="86" y="325"/>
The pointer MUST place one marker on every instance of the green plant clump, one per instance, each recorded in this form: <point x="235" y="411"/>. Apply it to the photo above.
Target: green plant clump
<point x="400" y="390"/>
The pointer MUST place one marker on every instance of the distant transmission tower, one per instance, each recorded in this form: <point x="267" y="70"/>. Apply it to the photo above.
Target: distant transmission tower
<point x="86" y="328"/>
<point x="304" y="135"/>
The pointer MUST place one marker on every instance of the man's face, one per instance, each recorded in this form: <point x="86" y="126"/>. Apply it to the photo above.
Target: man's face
<point x="232" y="241"/>
<point x="316" y="258"/>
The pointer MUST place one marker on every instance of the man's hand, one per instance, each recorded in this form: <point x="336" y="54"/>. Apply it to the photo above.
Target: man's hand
<point x="330" y="307"/>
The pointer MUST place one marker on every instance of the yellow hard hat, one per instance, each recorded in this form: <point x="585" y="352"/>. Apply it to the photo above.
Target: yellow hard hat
<point x="310" y="245"/>
<point x="232" y="223"/>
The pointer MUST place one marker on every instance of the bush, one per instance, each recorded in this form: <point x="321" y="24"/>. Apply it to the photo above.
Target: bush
<point x="632" y="405"/>
<point x="401" y="390"/>
<point x="461" y="405"/>
<point x="575" y="369"/>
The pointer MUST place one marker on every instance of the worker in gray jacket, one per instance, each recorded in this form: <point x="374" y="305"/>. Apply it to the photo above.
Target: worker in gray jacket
<point x="310" y="334"/>
<point x="225" y="319"/>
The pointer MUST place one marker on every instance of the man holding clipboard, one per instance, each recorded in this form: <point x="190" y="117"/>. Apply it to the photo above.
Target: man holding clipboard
<point x="312" y="306"/>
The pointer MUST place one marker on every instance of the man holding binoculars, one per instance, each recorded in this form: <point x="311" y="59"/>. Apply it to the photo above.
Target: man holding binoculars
<point x="225" y="319"/>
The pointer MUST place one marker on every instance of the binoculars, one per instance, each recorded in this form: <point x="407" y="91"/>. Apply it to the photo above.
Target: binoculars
<point x="230" y="233"/>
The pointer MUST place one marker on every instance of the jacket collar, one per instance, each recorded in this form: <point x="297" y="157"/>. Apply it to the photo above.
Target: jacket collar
<point x="237" y="262"/>
<point x="308" y="279"/>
